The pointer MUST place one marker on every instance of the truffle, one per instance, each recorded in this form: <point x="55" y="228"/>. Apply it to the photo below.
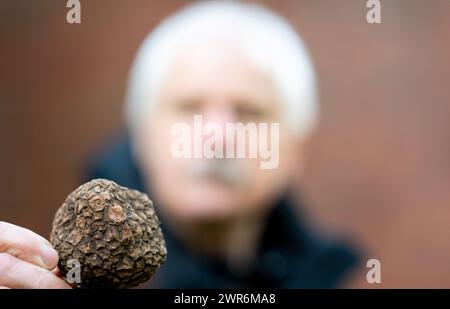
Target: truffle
<point x="112" y="231"/>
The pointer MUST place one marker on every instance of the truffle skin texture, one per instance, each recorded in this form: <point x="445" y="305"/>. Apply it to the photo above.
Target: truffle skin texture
<point x="112" y="231"/>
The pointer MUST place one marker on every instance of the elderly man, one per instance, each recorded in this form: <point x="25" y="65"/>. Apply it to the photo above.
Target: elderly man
<point x="227" y="221"/>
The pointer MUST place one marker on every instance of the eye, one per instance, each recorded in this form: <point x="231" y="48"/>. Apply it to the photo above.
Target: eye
<point x="189" y="106"/>
<point x="248" y="111"/>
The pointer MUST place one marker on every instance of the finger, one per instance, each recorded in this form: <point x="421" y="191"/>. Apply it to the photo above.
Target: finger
<point x="27" y="245"/>
<point x="4" y="287"/>
<point x="18" y="274"/>
<point x="57" y="272"/>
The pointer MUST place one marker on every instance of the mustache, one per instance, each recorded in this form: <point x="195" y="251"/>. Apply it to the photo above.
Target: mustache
<point x="227" y="171"/>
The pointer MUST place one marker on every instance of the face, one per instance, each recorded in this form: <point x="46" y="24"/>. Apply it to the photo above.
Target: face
<point x="216" y="81"/>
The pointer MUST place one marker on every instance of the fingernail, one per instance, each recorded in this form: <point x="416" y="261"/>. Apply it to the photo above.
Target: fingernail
<point x="48" y="243"/>
<point x="49" y="256"/>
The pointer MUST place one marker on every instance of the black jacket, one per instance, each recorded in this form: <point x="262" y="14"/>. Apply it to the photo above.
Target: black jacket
<point x="290" y="255"/>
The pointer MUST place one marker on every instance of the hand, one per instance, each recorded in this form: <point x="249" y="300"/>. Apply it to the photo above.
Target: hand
<point x="27" y="260"/>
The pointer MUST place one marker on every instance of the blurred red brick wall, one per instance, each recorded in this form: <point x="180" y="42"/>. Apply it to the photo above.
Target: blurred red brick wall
<point x="380" y="167"/>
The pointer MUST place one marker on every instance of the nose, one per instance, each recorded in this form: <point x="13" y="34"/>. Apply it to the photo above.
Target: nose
<point x="220" y="114"/>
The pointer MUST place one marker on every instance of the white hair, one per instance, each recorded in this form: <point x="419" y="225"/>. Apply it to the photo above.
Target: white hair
<point x="266" y="39"/>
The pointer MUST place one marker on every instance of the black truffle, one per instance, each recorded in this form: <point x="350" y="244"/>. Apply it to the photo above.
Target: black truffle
<point x="112" y="231"/>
